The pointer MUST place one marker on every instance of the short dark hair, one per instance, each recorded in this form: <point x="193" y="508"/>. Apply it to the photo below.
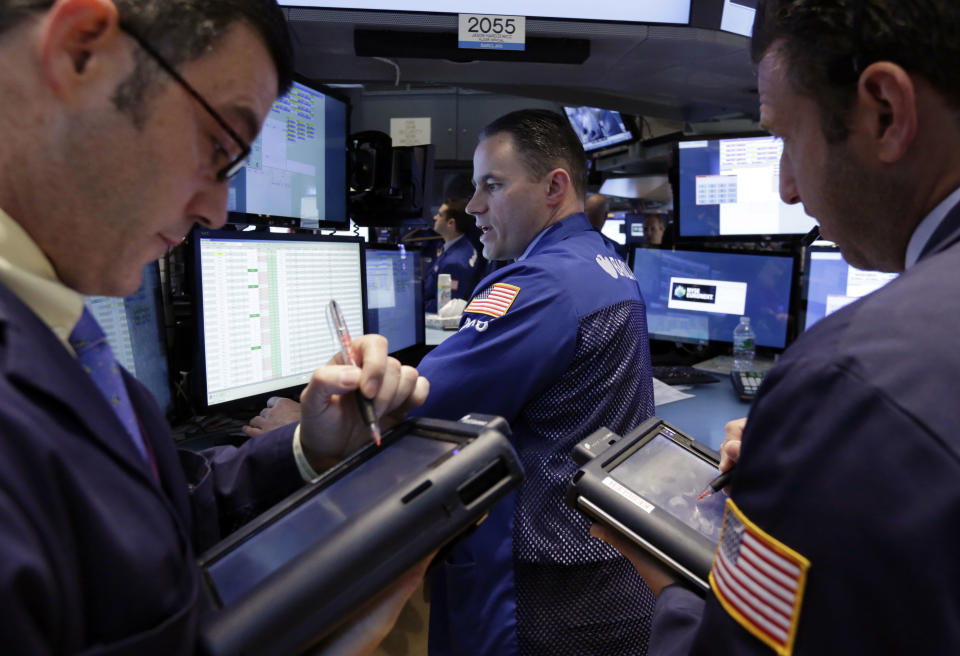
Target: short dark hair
<point x="457" y="210"/>
<point x="545" y="141"/>
<point x="826" y="44"/>
<point x="181" y="31"/>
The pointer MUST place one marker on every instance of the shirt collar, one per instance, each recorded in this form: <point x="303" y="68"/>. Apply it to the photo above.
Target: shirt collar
<point x="449" y="244"/>
<point x="27" y="272"/>
<point x="926" y="228"/>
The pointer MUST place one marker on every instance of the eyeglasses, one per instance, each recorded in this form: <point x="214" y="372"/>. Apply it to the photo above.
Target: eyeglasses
<point x="236" y="162"/>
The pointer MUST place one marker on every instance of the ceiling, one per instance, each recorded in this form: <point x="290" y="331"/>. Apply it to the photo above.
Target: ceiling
<point x="700" y="78"/>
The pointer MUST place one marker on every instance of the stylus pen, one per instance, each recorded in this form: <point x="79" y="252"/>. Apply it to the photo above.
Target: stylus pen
<point x="811" y="236"/>
<point x="338" y="326"/>
<point x="718" y="483"/>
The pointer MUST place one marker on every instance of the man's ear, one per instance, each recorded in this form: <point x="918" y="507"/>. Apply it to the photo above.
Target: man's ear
<point x="558" y="183"/>
<point x="73" y="33"/>
<point x="887" y="104"/>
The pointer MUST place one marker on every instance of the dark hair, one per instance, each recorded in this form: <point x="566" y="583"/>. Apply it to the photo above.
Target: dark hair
<point x="826" y="44"/>
<point x="181" y="31"/>
<point x="545" y="141"/>
<point x="457" y="210"/>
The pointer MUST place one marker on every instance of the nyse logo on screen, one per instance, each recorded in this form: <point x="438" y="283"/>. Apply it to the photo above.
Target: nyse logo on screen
<point x="694" y="293"/>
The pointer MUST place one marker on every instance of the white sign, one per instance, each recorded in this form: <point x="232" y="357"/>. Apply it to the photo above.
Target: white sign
<point x="723" y="296"/>
<point x="410" y="131"/>
<point x="492" y="32"/>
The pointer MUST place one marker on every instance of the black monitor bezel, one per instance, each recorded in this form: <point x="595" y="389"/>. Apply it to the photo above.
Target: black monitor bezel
<point x="198" y="386"/>
<point x="421" y="318"/>
<point x="682" y="239"/>
<point x="275" y="220"/>
<point x="792" y="302"/>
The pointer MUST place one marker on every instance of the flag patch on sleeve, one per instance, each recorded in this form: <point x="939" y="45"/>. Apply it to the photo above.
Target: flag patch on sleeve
<point x="759" y="580"/>
<point x="495" y="300"/>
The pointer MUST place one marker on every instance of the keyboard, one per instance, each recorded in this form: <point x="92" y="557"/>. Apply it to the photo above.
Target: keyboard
<point x="682" y="375"/>
<point x="746" y="383"/>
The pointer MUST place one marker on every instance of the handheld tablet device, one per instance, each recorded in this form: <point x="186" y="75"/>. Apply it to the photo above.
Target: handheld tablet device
<point x="645" y="485"/>
<point x="295" y="573"/>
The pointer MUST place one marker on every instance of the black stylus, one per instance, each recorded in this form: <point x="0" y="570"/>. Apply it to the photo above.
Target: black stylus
<point x="718" y="483"/>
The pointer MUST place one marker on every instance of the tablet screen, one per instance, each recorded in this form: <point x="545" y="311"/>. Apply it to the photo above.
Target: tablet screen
<point x="671" y="478"/>
<point x="359" y="490"/>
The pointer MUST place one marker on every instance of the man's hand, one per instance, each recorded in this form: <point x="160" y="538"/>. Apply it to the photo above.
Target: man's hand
<point x="656" y="576"/>
<point x="730" y="449"/>
<point x="362" y="635"/>
<point x="330" y="426"/>
<point x="279" y="412"/>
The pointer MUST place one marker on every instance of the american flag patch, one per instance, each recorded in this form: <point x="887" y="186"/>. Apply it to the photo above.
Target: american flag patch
<point x="759" y="580"/>
<point x="494" y="300"/>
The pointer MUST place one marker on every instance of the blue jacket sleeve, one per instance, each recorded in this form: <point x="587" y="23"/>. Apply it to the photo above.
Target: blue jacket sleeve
<point x="494" y="365"/>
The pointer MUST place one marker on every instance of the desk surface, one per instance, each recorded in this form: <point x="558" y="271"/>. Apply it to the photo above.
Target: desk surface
<point x="704" y="416"/>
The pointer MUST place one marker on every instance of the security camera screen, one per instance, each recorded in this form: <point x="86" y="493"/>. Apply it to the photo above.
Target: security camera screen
<point x="671" y="478"/>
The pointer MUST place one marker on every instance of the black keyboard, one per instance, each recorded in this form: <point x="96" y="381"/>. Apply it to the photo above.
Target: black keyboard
<point x="746" y="383"/>
<point x="682" y="375"/>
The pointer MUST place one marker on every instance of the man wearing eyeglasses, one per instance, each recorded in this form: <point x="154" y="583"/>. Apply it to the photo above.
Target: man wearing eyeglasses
<point x="842" y="529"/>
<point x="121" y="122"/>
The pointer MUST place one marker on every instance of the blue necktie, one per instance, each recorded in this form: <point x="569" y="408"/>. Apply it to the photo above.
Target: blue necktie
<point x="97" y="359"/>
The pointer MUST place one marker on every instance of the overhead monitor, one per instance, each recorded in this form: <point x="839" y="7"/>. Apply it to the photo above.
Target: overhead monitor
<point x="698" y="297"/>
<point x="729" y="187"/>
<point x="136" y="332"/>
<point x="598" y="128"/>
<point x="395" y="296"/>
<point x="649" y="11"/>
<point x="737" y="16"/>
<point x="261" y="302"/>
<point x="830" y="283"/>
<point x="297" y="171"/>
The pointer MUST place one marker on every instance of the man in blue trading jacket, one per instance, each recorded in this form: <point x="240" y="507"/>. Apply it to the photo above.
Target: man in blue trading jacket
<point x="109" y="157"/>
<point x="459" y="257"/>
<point x="557" y="344"/>
<point x="843" y="524"/>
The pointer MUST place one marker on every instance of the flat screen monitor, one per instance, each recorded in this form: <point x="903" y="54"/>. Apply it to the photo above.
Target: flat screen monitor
<point x="648" y="11"/>
<point x="395" y="296"/>
<point x="615" y="230"/>
<point x="729" y="187"/>
<point x="737" y="16"/>
<point x="830" y="283"/>
<point x="698" y="297"/>
<point x="261" y="301"/>
<point x="136" y="332"/>
<point x="297" y="171"/>
<point x="598" y="128"/>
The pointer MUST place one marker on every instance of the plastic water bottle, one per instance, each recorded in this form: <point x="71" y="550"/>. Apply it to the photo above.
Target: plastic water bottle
<point x="744" y="345"/>
<point x="444" y="290"/>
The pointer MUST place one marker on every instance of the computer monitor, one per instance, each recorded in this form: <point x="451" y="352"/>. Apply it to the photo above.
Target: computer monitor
<point x="395" y="296"/>
<point x="297" y="172"/>
<point x="830" y="283"/>
<point x="136" y="332"/>
<point x="729" y="187"/>
<point x="260" y="306"/>
<point x="698" y="297"/>
<point x="599" y="128"/>
<point x="615" y="230"/>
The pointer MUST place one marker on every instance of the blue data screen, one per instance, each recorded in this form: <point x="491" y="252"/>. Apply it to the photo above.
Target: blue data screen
<point x="699" y="297"/>
<point x="832" y="283"/>
<point x="312" y="521"/>
<point x="395" y="297"/>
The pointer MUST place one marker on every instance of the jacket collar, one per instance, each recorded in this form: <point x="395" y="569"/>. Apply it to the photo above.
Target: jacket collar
<point x="32" y="356"/>
<point x="557" y="232"/>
